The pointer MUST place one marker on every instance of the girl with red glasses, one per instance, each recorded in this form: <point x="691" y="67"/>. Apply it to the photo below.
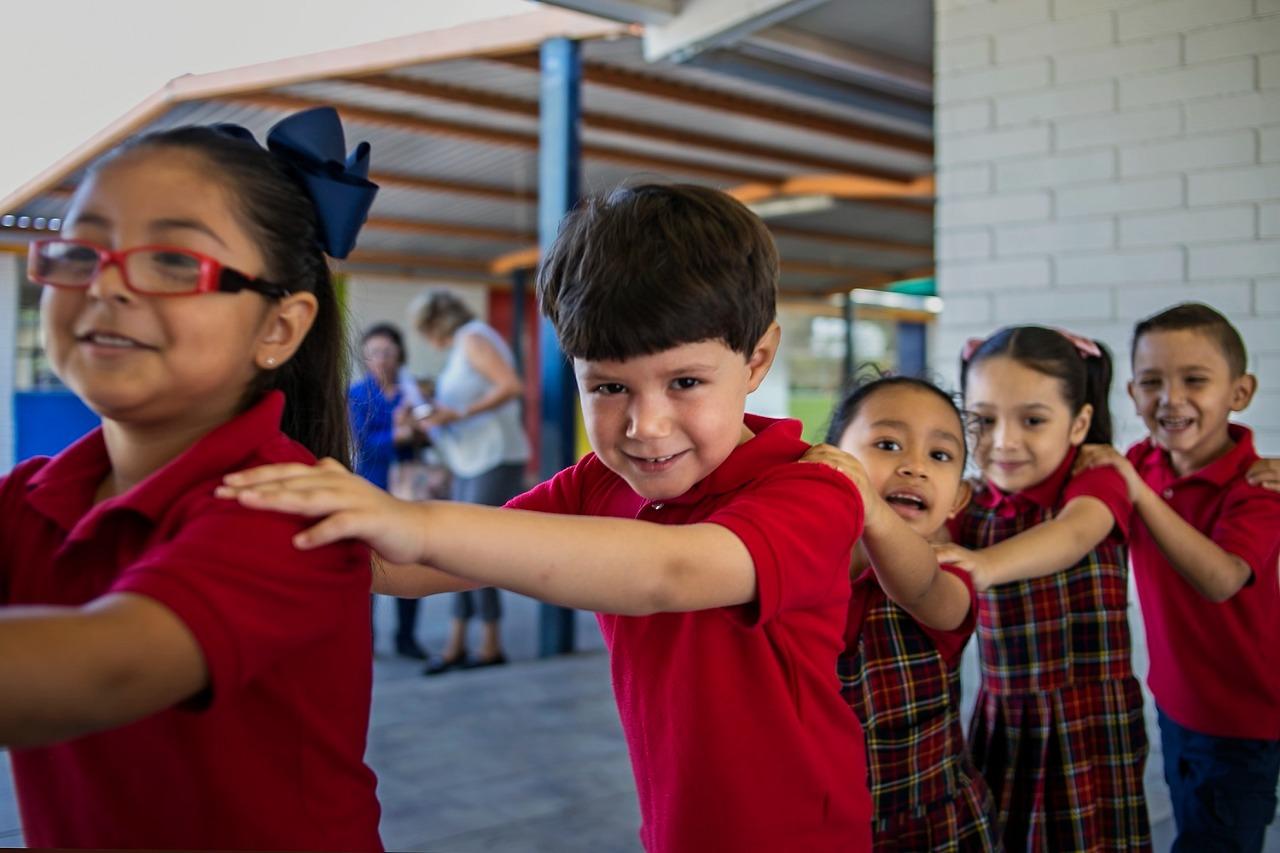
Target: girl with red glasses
<point x="173" y="673"/>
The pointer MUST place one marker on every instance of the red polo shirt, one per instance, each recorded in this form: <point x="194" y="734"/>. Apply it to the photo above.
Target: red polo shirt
<point x="272" y="756"/>
<point x="739" y="737"/>
<point x="1212" y="665"/>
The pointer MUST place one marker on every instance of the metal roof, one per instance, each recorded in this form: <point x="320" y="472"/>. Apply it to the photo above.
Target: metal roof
<point x="454" y="144"/>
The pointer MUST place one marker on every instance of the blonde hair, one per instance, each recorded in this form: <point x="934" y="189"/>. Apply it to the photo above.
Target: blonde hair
<point x="440" y="312"/>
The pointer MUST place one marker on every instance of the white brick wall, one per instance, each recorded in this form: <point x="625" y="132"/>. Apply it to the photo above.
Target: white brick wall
<point x="1103" y="159"/>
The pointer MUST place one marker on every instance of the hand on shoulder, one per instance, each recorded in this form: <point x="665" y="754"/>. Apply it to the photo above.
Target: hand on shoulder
<point x="1106" y="456"/>
<point x="352" y="507"/>
<point x="850" y="467"/>
<point x="1265" y="473"/>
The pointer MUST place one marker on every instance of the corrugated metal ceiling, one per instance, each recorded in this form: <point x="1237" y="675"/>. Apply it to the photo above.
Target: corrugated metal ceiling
<point x="499" y="178"/>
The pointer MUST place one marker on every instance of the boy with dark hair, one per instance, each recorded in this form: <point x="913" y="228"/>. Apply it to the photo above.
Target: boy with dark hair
<point x="1204" y="558"/>
<point x="719" y="566"/>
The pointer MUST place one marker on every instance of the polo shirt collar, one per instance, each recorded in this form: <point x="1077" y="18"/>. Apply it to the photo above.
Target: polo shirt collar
<point x="776" y="442"/>
<point x="63" y="490"/>
<point x="1043" y="494"/>
<point x="1221" y="471"/>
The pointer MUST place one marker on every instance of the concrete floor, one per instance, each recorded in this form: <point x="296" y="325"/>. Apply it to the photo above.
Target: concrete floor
<point x="527" y="757"/>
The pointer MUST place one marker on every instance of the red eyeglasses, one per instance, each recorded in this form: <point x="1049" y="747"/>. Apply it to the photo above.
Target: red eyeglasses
<point x="149" y="270"/>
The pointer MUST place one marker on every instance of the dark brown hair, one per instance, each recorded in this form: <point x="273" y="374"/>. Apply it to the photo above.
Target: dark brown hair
<point x="868" y="383"/>
<point x="1201" y="318"/>
<point x="650" y="267"/>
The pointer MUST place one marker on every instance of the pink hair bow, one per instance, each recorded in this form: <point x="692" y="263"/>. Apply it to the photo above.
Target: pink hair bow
<point x="1085" y="346"/>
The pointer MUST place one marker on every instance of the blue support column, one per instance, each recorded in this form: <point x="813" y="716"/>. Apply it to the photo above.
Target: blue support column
<point x="912" y="359"/>
<point x="558" y="156"/>
<point x="519" y="294"/>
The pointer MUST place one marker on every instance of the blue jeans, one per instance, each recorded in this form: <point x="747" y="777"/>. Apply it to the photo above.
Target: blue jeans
<point x="1223" y="789"/>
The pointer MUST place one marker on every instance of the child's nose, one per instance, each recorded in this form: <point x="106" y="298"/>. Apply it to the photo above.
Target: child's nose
<point x="1174" y="393"/>
<point x="109" y="284"/>
<point x="1004" y="434"/>
<point x="911" y="466"/>
<point x="649" y="419"/>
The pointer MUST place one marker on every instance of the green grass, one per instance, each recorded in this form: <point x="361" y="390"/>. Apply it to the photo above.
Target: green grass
<point x="812" y="409"/>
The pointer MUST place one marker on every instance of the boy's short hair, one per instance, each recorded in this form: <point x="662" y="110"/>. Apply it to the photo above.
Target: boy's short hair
<point x="1198" y="317"/>
<point x="649" y="267"/>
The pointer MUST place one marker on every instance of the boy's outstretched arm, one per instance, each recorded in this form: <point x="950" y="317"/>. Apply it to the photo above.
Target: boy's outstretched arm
<point x="609" y="565"/>
<point x="70" y="671"/>
<point x="1264" y="473"/>
<point x="1214" y="573"/>
<point x="1051" y="546"/>
<point x="903" y="561"/>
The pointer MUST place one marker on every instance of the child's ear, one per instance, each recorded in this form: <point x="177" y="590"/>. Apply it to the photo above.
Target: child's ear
<point x="1242" y="390"/>
<point x="1080" y="425"/>
<point x="1128" y="386"/>
<point x="963" y="495"/>
<point x="287" y="324"/>
<point x="761" y="358"/>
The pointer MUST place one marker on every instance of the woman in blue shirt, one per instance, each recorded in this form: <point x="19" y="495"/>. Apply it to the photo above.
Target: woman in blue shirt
<point x="384" y="433"/>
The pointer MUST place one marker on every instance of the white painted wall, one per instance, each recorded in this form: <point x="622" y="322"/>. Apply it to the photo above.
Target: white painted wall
<point x="1099" y="160"/>
<point x="379" y="299"/>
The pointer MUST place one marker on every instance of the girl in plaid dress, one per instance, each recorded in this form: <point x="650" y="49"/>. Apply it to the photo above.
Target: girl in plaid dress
<point x="900" y="671"/>
<point x="1058" y="731"/>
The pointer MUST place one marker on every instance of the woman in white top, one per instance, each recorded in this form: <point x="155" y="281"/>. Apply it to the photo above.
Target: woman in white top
<point x="475" y="423"/>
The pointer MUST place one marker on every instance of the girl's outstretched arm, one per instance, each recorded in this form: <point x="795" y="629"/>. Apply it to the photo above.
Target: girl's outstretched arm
<point x="69" y="671"/>
<point x="1051" y="546"/>
<point x="604" y="564"/>
<point x="405" y="580"/>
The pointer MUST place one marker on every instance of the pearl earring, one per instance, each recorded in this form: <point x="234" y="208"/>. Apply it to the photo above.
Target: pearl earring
<point x="271" y="362"/>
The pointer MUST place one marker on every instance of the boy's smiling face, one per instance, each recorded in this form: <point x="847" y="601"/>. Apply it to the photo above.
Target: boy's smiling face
<point x="665" y="421"/>
<point x="1184" y="391"/>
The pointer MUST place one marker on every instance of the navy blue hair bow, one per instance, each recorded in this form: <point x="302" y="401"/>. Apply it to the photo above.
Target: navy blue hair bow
<point x="312" y="144"/>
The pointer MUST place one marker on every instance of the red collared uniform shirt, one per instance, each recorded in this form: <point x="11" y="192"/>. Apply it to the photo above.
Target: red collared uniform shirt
<point x="271" y="757"/>
<point x="1213" y="665"/>
<point x="738" y="735"/>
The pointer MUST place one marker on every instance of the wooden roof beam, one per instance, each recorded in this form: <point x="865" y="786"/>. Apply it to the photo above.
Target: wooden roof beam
<point x="438" y="185"/>
<point x="449" y="229"/>
<point x="614" y="77"/>
<point x="493" y="136"/>
<point x="620" y="124"/>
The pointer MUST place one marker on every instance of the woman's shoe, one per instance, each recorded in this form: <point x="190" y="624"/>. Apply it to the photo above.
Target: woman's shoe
<point x="476" y="663"/>
<point x="445" y="664"/>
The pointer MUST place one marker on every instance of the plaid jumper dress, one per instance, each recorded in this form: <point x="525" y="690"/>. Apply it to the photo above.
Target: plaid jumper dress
<point x="926" y="793"/>
<point x="1058" y="729"/>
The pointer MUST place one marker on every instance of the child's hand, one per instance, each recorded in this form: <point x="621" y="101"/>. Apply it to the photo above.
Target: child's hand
<point x="1102" y="455"/>
<point x="355" y="508"/>
<point x="834" y="457"/>
<point x="1264" y="473"/>
<point x="971" y="561"/>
